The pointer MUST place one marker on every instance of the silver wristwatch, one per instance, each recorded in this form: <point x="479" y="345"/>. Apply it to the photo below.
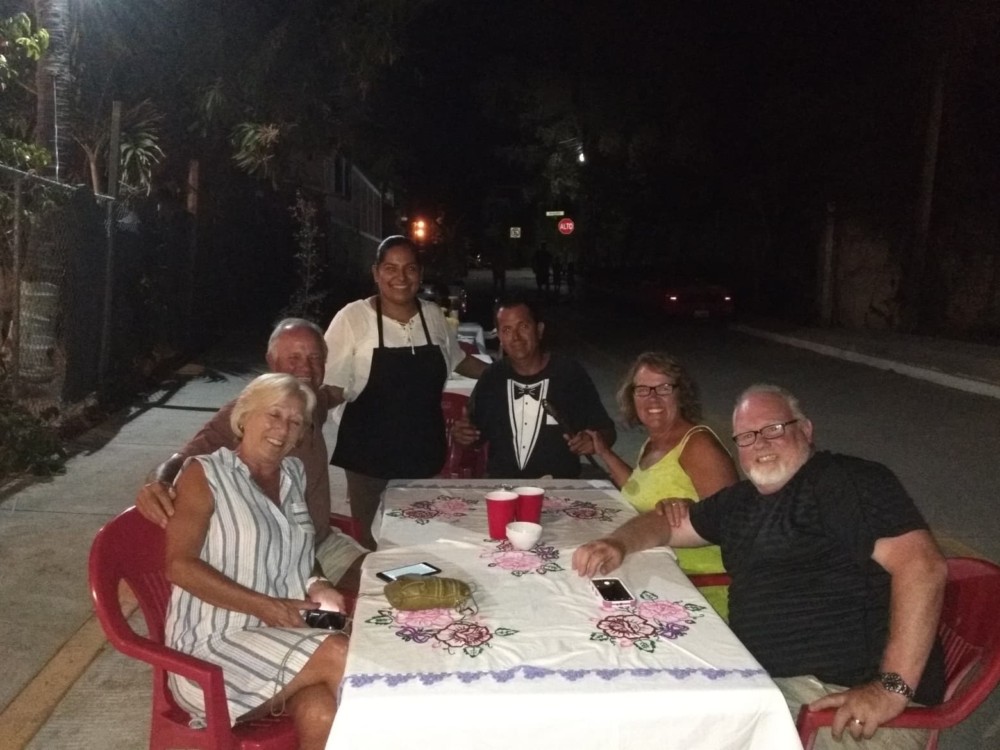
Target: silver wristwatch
<point x="895" y="684"/>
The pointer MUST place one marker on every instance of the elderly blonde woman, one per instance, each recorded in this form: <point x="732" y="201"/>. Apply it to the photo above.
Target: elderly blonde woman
<point x="239" y="556"/>
<point x="681" y="458"/>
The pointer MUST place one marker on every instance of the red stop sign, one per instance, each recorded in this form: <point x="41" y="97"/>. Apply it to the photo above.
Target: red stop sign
<point x="566" y="226"/>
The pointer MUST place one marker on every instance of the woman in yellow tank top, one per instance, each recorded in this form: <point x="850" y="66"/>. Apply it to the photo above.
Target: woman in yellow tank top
<point x="680" y="458"/>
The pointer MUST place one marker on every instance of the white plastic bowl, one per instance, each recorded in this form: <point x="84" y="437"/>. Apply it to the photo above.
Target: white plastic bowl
<point x="523" y="534"/>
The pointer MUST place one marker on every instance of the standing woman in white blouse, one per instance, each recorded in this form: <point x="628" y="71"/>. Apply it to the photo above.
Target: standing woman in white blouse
<point x="390" y="355"/>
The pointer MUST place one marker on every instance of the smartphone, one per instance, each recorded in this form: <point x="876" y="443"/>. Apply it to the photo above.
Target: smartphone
<point x="417" y="569"/>
<point x="613" y="592"/>
<point x="321" y="618"/>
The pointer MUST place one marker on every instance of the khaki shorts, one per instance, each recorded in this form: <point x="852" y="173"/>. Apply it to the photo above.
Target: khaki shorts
<point x="336" y="553"/>
<point x="806" y="689"/>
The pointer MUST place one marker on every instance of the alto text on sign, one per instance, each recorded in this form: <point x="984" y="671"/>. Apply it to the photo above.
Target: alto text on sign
<point x="566" y="226"/>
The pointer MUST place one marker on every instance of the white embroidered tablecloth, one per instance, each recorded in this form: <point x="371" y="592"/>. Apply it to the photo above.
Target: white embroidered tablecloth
<point x="574" y="511"/>
<point x="537" y="662"/>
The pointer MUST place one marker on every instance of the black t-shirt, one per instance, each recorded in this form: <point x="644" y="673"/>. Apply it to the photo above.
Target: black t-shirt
<point x="524" y="442"/>
<point x="806" y="597"/>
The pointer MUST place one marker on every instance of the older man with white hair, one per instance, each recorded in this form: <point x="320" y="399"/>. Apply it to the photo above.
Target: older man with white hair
<point x="837" y="582"/>
<point x="296" y="347"/>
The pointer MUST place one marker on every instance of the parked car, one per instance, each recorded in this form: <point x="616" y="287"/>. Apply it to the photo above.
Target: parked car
<point x="696" y="300"/>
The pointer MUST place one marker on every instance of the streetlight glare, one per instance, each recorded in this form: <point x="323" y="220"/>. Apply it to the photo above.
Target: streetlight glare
<point x="581" y="158"/>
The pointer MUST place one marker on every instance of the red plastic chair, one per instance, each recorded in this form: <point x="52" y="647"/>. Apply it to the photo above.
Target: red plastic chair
<point x="130" y="549"/>
<point x="970" y="636"/>
<point x="461" y="462"/>
<point x="348" y="524"/>
<point x="701" y="580"/>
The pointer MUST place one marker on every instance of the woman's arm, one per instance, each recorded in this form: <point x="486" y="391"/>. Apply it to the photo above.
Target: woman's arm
<point x="186" y="533"/>
<point x="618" y="470"/>
<point x="471" y="367"/>
<point x="707" y="463"/>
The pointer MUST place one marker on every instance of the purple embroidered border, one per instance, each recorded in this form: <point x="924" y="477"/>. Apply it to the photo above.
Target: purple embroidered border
<point x="536" y="673"/>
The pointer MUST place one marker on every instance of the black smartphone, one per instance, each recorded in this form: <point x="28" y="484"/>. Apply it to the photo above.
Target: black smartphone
<point x="417" y="569"/>
<point x="321" y="618"/>
<point x="613" y="592"/>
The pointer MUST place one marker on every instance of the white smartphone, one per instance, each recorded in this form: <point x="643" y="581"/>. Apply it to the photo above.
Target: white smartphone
<point x="612" y="592"/>
<point x="417" y="569"/>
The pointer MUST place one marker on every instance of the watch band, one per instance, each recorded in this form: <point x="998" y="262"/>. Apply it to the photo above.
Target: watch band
<point x="892" y="682"/>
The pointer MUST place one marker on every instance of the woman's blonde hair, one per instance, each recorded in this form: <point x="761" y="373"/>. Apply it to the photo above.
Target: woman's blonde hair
<point x="265" y="390"/>
<point x="685" y="388"/>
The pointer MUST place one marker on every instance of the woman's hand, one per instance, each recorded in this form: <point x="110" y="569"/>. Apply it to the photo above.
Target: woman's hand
<point x="675" y="509"/>
<point x="283" y="613"/>
<point x="326" y="597"/>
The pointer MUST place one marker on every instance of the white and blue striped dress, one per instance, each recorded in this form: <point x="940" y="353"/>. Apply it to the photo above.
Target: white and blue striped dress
<point x="266" y="548"/>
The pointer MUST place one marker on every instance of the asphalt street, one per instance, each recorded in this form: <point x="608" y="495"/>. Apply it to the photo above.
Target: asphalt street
<point x="62" y="682"/>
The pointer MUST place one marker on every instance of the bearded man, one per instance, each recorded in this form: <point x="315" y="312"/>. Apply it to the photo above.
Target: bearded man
<point x="837" y="583"/>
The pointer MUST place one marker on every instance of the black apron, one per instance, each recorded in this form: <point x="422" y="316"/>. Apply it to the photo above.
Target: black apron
<point x="394" y="429"/>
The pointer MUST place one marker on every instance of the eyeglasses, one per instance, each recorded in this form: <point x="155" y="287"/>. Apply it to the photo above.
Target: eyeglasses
<point x="770" y="432"/>
<point x="645" y="391"/>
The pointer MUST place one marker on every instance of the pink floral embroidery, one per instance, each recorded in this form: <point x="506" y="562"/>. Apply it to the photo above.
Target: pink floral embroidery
<point x="556" y="503"/>
<point x="445" y="507"/>
<point x="647" y="623"/>
<point x="663" y="611"/>
<point x="540" y="559"/>
<point x="464" y="635"/>
<point x="583" y="513"/>
<point x="451" y="506"/>
<point x="426" y="618"/>
<point x="516" y="560"/>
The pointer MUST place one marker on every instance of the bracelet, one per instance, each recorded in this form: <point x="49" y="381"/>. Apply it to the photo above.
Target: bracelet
<point x="892" y="682"/>
<point x="316" y="579"/>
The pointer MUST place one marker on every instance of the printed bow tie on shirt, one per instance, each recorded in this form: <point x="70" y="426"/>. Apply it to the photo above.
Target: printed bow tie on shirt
<point x="535" y="391"/>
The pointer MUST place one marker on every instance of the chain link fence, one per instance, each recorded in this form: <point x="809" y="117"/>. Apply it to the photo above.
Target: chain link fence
<point x="86" y="291"/>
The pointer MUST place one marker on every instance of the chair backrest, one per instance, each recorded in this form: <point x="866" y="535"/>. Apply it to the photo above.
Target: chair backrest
<point x="469" y="347"/>
<point x="970" y="637"/>
<point x="970" y="631"/>
<point x="130" y="549"/>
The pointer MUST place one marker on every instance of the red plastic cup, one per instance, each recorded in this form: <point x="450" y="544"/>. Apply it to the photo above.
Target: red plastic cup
<point x="501" y="507"/>
<point x="529" y="503"/>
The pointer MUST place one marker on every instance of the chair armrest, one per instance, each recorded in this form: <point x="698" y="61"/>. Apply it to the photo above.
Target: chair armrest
<point x="915" y="717"/>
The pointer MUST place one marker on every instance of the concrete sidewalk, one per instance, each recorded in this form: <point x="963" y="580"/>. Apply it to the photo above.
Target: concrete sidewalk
<point x="66" y="688"/>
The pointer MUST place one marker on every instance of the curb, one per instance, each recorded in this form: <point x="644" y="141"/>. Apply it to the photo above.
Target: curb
<point x="967" y="384"/>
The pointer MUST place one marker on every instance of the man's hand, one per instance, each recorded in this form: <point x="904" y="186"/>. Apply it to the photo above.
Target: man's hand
<point x="600" y="556"/>
<point x="283" y="613"/>
<point x="464" y="432"/>
<point x="582" y="443"/>
<point x="155" y="502"/>
<point x="674" y="509"/>
<point x="862" y="709"/>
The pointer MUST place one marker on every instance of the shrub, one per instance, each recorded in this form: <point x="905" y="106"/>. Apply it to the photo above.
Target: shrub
<point x="27" y="444"/>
